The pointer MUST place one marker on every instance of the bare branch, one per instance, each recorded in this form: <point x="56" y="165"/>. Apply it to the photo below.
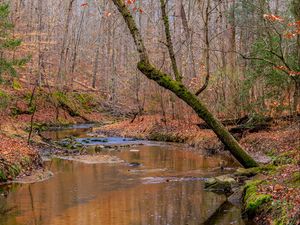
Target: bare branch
<point x="165" y="18"/>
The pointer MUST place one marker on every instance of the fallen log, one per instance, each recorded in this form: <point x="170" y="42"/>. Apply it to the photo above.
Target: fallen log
<point x="229" y="122"/>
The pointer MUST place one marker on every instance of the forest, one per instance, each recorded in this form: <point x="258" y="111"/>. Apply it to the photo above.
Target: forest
<point x="122" y="112"/>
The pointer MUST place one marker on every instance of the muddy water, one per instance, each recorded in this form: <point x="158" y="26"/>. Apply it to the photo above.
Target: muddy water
<point x="167" y="188"/>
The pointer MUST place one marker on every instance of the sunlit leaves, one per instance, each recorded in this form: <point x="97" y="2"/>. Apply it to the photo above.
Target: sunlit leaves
<point x="129" y="2"/>
<point x="288" y="71"/>
<point x="293" y="28"/>
<point x="273" y="18"/>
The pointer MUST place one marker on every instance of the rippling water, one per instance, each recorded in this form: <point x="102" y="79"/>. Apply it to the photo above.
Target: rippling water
<point x="167" y="188"/>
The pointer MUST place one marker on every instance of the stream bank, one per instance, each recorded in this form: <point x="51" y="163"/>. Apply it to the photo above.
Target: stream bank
<point x="272" y="194"/>
<point x="44" y="108"/>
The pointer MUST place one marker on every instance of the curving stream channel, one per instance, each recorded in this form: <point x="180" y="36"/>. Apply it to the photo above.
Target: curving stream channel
<point x="167" y="188"/>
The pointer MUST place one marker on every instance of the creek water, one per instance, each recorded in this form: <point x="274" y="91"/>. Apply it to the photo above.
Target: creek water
<point x="167" y="188"/>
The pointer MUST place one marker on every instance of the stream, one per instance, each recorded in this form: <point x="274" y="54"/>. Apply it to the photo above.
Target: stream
<point x="156" y="184"/>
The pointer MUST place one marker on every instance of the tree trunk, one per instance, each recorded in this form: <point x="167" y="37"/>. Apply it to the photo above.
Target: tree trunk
<point x="166" y="81"/>
<point x="63" y="53"/>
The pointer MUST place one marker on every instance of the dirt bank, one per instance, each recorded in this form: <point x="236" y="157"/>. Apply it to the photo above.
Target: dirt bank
<point x="17" y="158"/>
<point x="43" y="107"/>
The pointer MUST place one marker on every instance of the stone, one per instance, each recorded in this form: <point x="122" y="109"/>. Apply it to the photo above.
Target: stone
<point x="222" y="184"/>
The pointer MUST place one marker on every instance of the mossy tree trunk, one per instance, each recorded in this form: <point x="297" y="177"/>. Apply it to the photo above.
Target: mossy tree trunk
<point x="178" y="88"/>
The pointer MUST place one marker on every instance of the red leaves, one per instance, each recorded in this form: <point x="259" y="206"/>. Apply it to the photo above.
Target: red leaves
<point x="289" y="35"/>
<point x="297" y="24"/>
<point x="84" y="4"/>
<point x="283" y="68"/>
<point x="135" y="9"/>
<point x="140" y="10"/>
<point x="290" y="72"/>
<point x="294" y="73"/>
<point x="296" y="30"/>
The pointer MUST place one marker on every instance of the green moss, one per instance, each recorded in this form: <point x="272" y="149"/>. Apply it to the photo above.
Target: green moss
<point x="38" y="127"/>
<point x="296" y="178"/>
<point x="166" y="81"/>
<point x="4" y="100"/>
<point x="85" y="101"/>
<point x="16" y="85"/>
<point x="284" y="159"/>
<point x="14" y="170"/>
<point x="3" y="177"/>
<point x="10" y="172"/>
<point x="67" y="102"/>
<point x="156" y="136"/>
<point x="255" y="170"/>
<point x="247" y="172"/>
<point x="26" y="161"/>
<point x="252" y="200"/>
<point x="271" y="153"/>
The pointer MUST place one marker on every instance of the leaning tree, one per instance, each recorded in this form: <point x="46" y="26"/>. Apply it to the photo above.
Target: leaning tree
<point x="176" y="85"/>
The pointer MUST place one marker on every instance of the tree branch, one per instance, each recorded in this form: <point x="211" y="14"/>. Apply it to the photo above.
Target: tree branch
<point x="165" y="18"/>
<point x="133" y="29"/>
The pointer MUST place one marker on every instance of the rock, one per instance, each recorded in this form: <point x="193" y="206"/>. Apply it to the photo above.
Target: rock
<point x="86" y="141"/>
<point x="222" y="184"/>
<point x="250" y="172"/>
<point x="99" y="140"/>
<point x="247" y="172"/>
<point x="133" y="164"/>
<point x="236" y="197"/>
<point x="99" y="148"/>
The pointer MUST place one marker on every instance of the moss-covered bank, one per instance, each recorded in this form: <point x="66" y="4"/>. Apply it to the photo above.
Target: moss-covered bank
<point x="273" y="195"/>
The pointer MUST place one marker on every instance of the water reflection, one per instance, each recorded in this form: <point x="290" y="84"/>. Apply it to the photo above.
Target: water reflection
<point x="81" y="194"/>
<point x="79" y="130"/>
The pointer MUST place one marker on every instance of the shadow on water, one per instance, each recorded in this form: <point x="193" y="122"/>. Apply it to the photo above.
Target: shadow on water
<point x="166" y="188"/>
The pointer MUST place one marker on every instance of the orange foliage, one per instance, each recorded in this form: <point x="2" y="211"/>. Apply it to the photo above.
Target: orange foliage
<point x="273" y="18"/>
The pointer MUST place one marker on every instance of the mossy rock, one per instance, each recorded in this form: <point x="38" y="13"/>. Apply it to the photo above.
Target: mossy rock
<point x="221" y="184"/>
<point x="250" y="172"/>
<point x="70" y="143"/>
<point x="247" y="172"/>
<point x="253" y="201"/>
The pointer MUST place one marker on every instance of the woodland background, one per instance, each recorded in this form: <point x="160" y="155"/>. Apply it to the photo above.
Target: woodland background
<point x="248" y="51"/>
